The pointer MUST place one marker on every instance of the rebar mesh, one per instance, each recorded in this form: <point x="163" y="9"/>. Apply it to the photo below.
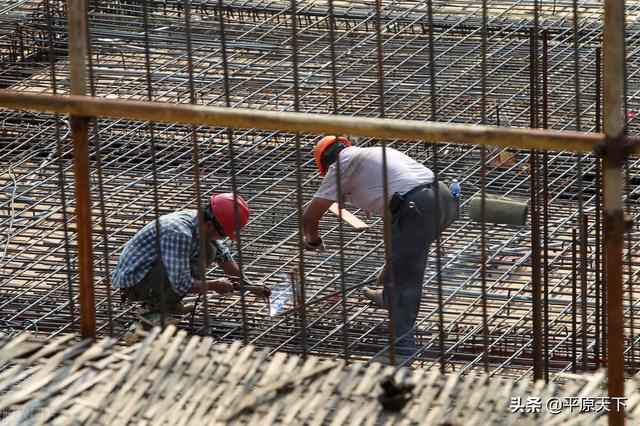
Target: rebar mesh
<point x="34" y="290"/>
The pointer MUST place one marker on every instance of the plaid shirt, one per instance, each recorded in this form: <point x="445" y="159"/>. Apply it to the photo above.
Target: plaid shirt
<point x="179" y="244"/>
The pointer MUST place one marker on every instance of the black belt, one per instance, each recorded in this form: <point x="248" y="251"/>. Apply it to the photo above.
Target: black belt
<point x="397" y="200"/>
<point x="417" y="188"/>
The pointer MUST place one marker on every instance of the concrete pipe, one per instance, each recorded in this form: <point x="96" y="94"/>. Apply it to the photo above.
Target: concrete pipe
<point x="499" y="210"/>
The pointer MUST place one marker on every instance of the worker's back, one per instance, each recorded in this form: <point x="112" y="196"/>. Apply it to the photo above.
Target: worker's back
<point x="362" y="181"/>
<point x="140" y="253"/>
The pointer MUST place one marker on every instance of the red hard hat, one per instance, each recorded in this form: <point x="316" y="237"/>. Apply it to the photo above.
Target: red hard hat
<point x="322" y="146"/>
<point x="224" y="212"/>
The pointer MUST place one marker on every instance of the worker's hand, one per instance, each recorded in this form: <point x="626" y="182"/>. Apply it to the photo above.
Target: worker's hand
<point x="315" y="245"/>
<point x="221" y="285"/>
<point x="235" y="281"/>
<point x="261" y="291"/>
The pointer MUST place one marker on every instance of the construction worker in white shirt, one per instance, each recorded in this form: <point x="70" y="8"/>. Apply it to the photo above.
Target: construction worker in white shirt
<point x="412" y="207"/>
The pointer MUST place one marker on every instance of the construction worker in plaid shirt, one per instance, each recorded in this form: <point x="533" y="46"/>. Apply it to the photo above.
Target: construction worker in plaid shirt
<point x="145" y="278"/>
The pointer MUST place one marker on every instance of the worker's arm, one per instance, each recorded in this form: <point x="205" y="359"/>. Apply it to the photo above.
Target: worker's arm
<point x="231" y="269"/>
<point x="220" y="285"/>
<point x="311" y="218"/>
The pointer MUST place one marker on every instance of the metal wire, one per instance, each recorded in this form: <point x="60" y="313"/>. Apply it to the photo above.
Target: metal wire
<point x="103" y="224"/>
<point x="154" y="168"/>
<point x="234" y="183"/>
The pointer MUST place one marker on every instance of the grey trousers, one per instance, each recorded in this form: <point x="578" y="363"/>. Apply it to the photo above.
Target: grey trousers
<point x="156" y="284"/>
<point x="413" y="228"/>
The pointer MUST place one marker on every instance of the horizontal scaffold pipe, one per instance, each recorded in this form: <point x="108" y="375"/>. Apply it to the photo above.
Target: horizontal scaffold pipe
<point x="465" y="134"/>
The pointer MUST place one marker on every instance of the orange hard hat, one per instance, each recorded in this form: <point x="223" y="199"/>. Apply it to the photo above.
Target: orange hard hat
<point x="222" y="206"/>
<point x="321" y="148"/>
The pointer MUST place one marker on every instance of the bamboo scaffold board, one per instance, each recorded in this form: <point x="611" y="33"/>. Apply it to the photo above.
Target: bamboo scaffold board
<point x="171" y="378"/>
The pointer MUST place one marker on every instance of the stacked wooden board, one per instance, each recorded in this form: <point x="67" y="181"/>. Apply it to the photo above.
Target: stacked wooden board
<point x="171" y="378"/>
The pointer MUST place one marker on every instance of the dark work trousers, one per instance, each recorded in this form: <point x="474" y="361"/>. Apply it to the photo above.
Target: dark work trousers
<point x="156" y="282"/>
<point x="413" y="228"/>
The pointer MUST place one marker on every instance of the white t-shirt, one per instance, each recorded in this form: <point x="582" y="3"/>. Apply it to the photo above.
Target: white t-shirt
<point x="361" y="177"/>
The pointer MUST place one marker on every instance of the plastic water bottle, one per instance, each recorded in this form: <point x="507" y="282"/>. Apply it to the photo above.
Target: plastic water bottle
<point x="454" y="188"/>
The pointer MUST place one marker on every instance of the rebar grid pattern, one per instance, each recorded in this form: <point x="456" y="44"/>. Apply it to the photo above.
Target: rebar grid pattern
<point x="35" y="291"/>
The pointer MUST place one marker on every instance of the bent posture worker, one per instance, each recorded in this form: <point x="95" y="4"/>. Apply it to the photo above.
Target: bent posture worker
<point x="412" y="206"/>
<point x="145" y="277"/>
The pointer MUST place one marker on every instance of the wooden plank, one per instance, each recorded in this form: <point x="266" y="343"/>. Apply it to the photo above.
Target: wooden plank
<point x="148" y="355"/>
<point x="342" y="414"/>
<point x="123" y="354"/>
<point x="370" y="379"/>
<point x="423" y="394"/>
<point x="502" y="402"/>
<point x="18" y="347"/>
<point x="69" y="398"/>
<point x="274" y="368"/>
<point x="239" y="386"/>
<point x="102" y="398"/>
<point x="300" y="410"/>
<point x="15" y="375"/>
<point x="238" y="370"/>
<point x="276" y="409"/>
<point x="371" y="412"/>
<point x="522" y="390"/>
<point x="182" y="380"/>
<point x="173" y="376"/>
<point x="350" y="381"/>
<point x="52" y="346"/>
<point x="175" y="399"/>
<point x="226" y="376"/>
<point x="467" y="395"/>
<point x="442" y="403"/>
<point x="256" y="396"/>
<point x="332" y="393"/>
<point x="482" y="403"/>
<point x="348" y="217"/>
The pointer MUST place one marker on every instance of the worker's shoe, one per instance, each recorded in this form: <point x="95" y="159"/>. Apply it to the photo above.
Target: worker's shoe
<point x="375" y="296"/>
<point x="180" y="309"/>
<point x="139" y="329"/>
<point x="177" y="309"/>
<point x="135" y="333"/>
<point x="142" y="310"/>
<point x="153" y="319"/>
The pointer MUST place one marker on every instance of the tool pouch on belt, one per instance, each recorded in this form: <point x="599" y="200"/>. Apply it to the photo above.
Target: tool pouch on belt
<point x="395" y="202"/>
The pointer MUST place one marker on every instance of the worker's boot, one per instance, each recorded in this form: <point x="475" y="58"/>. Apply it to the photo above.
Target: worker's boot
<point x="177" y="309"/>
<point x="153" y="319"/>
<point x="180" y="309"/>
<point x="135" y="333"/>
<point x="374" y="295"/>
<point x="139" y="329"/>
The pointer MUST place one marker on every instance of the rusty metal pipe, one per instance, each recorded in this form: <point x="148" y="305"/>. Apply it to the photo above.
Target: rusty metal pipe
<point x="309" y="123"/>
<point x="615" y="154"/>
<point x="598" y="207"/>
<point x="584" y="236"/>
<point x="80" y="130"/>
<point x="536" y="290"/>
<point x="545" y="201"/>
<point x="574" y="300"/>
